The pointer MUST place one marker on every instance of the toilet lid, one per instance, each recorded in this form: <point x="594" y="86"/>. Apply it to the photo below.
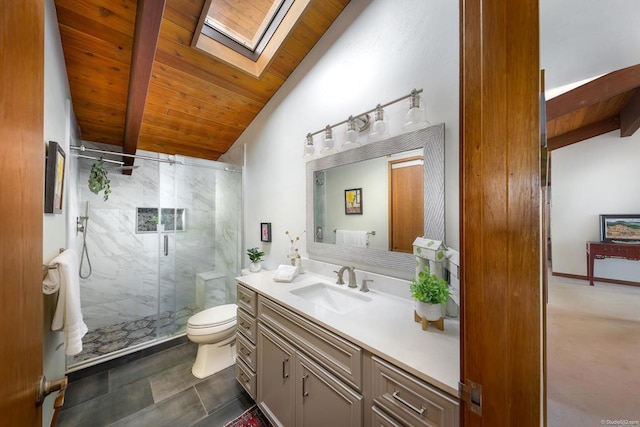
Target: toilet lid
<point x="214" y="316"/>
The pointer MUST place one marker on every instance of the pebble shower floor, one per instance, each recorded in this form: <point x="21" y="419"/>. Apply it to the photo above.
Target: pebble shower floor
<point x="107" y="339"/>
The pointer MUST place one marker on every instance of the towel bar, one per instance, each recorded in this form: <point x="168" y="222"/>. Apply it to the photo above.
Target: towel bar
<point x="373" y="233"/>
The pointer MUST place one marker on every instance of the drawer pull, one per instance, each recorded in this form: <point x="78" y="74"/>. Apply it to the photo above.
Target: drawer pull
<point x="244" y="325"/>
<point x="304" y="385"/>
<point x="396" y="395"/>
<point x="285" y="374"/>
<point x="244" y="351"/>
<point x="243" y="377"/>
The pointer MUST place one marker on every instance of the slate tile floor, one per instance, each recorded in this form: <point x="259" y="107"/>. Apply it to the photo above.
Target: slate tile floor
<point x="156" y="390"/>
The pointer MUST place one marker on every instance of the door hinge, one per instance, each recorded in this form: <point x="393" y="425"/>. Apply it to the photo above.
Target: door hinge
<point x="471" y="393"/>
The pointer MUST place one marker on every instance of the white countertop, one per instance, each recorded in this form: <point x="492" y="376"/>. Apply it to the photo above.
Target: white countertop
<point x="384" y="326"/>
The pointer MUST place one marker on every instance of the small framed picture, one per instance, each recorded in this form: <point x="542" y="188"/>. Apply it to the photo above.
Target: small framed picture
<point x="353" y="201"/>
<point x="265" y="231"/>
<point x="54" y="178"/>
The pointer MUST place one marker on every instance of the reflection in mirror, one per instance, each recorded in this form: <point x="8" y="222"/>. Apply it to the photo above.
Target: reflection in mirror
<point x="401" y="197"/>
<point x="390" y="202"/>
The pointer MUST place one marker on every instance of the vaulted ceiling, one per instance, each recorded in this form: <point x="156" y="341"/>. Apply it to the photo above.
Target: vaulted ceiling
<point x="605" y="104"/>
<point x="136" y="81"/>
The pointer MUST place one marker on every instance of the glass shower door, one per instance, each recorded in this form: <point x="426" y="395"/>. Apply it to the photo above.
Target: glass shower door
<point x="199" y="256"/>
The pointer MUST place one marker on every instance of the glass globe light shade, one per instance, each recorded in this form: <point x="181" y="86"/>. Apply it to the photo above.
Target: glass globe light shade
<point x="328" y="144"/>
<point x="379" y="127"/>
<point x="416" y="116"/>
<point x="352" y="133"/>
<point x="309" y="149"/>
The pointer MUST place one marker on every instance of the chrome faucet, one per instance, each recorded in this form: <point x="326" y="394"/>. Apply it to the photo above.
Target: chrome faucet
<point x="352" y="276"/>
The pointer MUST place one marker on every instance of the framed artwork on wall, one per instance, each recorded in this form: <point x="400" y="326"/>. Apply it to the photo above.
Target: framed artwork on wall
<point x="54" y="178"/>
<point x="265" y="231"/>
<point x="353" y="201"/>
<point x="620" y="228"/>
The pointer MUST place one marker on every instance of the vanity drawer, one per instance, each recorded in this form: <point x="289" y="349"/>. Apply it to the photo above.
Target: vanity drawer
<point x="247" y="299"/>
<point x="246" y="377"/>
<point x="246" y="351"/>
<point x="341" y="357"/>
<point x="410" y="400"/>
<point x="380" y="419"/>
<point x="247" y="325"/>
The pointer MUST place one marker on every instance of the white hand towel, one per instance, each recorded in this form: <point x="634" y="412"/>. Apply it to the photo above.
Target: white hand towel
<point x="285" y="273"/>
<point x="68" y="315"/>
<point x="356" y="239"/>
<point x="51" y="282"/>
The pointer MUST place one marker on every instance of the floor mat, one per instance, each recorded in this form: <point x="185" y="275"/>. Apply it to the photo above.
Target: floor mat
<point x="252" y="417"/>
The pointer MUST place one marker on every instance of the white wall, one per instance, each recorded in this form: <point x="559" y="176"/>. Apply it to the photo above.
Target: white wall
<point x="376" y="51"/>
<point x="580" y="39"/>
<point x="597" y="176"/>
<point x="58" y="126"/>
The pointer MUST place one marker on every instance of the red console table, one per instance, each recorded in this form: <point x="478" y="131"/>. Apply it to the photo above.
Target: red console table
<point x="602" y="250"/>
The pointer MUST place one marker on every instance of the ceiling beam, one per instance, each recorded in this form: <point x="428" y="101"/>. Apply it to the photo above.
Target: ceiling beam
<point x="595" y="91"/>
<point x="145" y="41"/>
<point x="630" y="115"/>
<point x="598" y="128"/>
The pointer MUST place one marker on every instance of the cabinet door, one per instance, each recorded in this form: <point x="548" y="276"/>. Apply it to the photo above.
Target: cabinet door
<point x="275" y="377"/>
<point x="323" y="400"/>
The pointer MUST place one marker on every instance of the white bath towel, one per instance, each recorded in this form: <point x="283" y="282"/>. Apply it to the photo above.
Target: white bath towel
<point x="356" y="239"/>
<point x="68" y="315"/>
<point x="285" y="273"/>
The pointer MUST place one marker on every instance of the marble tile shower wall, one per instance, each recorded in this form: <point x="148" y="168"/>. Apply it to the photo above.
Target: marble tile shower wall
<point x="132" y="277"/>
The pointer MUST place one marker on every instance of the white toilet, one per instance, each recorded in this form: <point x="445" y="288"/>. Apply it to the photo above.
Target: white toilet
<point x="214" y="330"/>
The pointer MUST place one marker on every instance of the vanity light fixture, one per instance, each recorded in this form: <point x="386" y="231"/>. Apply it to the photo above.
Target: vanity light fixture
<point x="356" y="124"/>
<point x="416" y="116"/>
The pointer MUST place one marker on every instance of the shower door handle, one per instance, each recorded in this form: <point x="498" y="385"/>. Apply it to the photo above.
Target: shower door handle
<point x="166" y="245"/>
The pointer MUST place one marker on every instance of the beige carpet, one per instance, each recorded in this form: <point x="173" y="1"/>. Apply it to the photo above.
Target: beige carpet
<point x="593" y="354"/>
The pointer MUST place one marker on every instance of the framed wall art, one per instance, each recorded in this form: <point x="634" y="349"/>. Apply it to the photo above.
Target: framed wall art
<point x="265" y="231"/>
<point x="620" y="228"/>
<point x="54" y="178"/>
<point x="353" y="201"/>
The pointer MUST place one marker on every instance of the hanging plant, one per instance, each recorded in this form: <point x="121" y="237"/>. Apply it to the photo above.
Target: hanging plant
<point x="98" y="180"/>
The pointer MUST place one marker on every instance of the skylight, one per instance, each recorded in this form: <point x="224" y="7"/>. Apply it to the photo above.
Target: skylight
<point x="246" y="34"/>
<point x="246" y="26"/>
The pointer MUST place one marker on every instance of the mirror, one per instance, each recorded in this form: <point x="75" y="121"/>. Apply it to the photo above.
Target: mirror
<point x="349" y="192"/>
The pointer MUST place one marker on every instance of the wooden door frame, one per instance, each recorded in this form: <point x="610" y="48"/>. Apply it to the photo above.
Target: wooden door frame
<point x="501" y="310"/>
<point x="22" y="202"/>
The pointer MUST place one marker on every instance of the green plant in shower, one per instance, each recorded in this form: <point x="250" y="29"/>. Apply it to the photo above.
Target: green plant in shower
<point x="153" y="220"/>
<point x="98" y="179"/>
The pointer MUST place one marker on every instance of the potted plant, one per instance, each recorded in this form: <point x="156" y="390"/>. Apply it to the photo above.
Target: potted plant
<point x="255" y="256"/>
<point x="430" y="293"/>
<point x="98" y="180"/>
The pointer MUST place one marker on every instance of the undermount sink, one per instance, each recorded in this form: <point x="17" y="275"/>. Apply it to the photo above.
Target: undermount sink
<point x="332" y="298"/>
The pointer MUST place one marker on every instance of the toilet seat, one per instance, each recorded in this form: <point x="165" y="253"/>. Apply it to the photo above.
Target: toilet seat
<point x="213" y="320"/>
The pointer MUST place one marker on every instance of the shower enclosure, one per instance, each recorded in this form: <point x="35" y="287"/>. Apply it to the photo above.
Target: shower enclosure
<point x="165" y="245"/>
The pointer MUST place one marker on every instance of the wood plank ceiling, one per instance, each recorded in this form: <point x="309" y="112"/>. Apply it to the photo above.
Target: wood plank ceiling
<point x="195" y="105"/>
<point x="603" y="105"/>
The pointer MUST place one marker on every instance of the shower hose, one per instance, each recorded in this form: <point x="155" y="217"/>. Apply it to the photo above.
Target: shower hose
<point x="85" y="251"/>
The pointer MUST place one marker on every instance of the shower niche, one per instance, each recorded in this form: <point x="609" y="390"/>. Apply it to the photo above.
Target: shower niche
<point x="170" y="219"/>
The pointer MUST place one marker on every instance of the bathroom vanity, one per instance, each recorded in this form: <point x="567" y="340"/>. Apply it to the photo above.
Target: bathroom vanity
<point x="311" y="352"/>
